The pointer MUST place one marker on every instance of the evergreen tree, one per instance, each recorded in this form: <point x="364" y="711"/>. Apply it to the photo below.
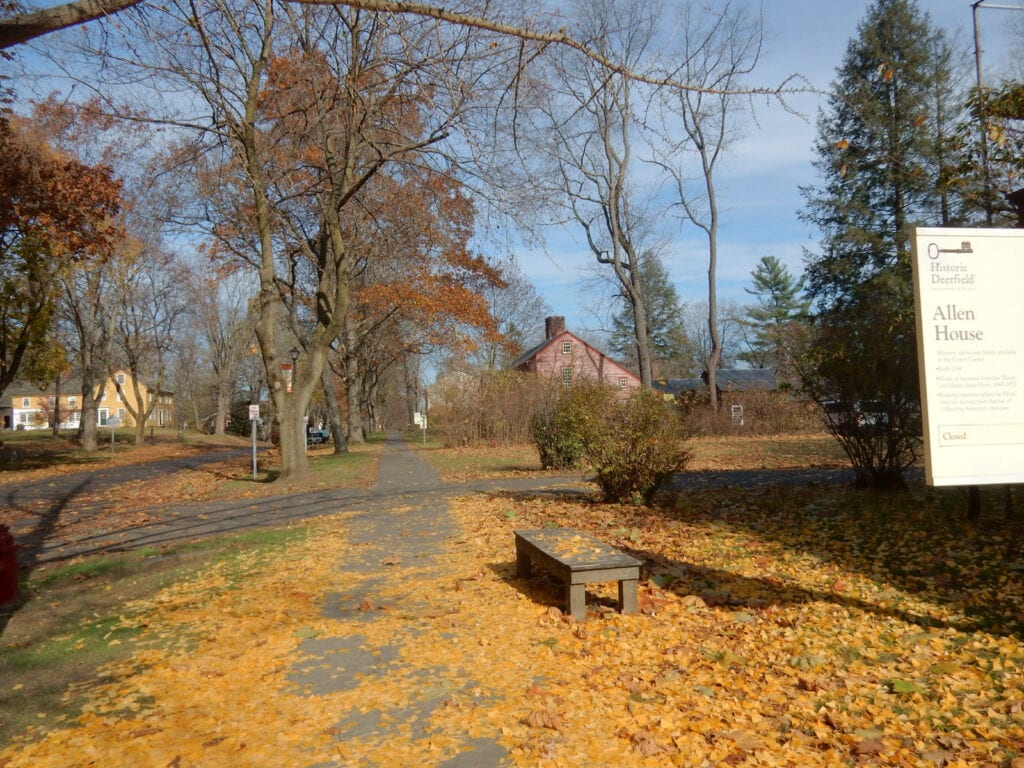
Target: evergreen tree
<point x="667" y="339"/>
<point x="772" y="320"/>
<point x="878" y="152"/>
<point x="880" y="159"/>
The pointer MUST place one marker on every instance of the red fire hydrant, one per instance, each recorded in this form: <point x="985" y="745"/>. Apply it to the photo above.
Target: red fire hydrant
<point x="8" y="567"/>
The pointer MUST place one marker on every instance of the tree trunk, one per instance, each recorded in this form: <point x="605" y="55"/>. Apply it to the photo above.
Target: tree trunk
<point x="89" y="424"/>
<point x="333" y="412"/>
<point x="712" y="232"/>
<point x="292" y="438"/>
<point x="353" y="389"/>
<point x="223" y="406"/>
<point x="643" y="347"/>
<point x="56" y="407"/>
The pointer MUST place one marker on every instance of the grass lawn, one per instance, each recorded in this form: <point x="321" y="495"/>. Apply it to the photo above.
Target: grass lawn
<point x="762" y="452"/>
<point x="79" y="616"/>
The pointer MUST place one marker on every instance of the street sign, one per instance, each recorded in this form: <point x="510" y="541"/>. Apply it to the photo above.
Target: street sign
<point x="254" y="412"/>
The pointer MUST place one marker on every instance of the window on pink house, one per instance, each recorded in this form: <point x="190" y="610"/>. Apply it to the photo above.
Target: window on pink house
<point x="566" y="347"/>
<point x="567" y="377"/>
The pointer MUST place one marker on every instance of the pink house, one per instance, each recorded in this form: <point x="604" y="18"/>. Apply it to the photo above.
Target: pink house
<point x="567" y="358"/>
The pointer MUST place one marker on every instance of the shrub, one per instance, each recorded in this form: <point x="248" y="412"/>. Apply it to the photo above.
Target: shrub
<point x="558" y="447"/>
<point x="631" y="445"/>
<point x="494" y="408"/>
<point x="639" y="444"/>
<point x="560" y="429"/>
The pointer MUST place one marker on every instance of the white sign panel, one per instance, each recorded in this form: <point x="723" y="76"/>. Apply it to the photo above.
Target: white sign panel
<point x="969" y="297"/>
<point x="254" y="411"/>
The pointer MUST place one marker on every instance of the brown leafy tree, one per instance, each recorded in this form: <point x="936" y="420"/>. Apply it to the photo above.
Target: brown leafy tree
<point x="55" y="212"/>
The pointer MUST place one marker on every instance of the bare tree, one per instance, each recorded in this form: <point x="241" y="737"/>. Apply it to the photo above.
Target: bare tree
<point x="153" y="302"/>
<point x="719" y="46"/>
<point x="290" y="145"/>
<point x="593" y="127"/>
<point x="19" y="28"/>
<point x="730" y="333"/>
<point x="226" y="323"/>
<point x="516" y="308"/>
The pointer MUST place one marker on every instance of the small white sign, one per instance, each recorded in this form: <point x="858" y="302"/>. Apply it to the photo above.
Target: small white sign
<point x="113" y="422"/>
<point x="254" y="412"/>
<point x="967" y="296"/>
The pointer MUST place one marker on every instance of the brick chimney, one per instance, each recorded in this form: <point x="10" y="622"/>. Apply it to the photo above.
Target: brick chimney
<point x="553" y="326"/>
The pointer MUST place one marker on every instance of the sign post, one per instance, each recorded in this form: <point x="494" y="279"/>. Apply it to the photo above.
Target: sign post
<point x="254" y="416"/>
<point x="970" y="353"/>
<point x="113" y="422"/>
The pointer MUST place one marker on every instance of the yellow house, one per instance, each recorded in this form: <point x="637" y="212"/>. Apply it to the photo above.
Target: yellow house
<point x="28" y="407"/>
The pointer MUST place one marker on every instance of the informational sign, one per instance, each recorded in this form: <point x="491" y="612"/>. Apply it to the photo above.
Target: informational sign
<point x="970" y="329"/>
<point x="254" y="412"/>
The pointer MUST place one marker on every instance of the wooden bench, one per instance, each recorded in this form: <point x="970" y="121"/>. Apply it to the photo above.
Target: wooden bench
<point x="577" y="559"/>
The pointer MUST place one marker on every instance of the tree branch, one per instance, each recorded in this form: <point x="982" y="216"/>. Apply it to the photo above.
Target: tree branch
<point x="28" y="26"/>
<point x="526" y="33"/>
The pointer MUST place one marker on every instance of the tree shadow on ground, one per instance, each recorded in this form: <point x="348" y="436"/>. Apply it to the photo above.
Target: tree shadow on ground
<point x="31" y="545"/>
<point x="916" y="543"/>
<point x="717" y="588"/>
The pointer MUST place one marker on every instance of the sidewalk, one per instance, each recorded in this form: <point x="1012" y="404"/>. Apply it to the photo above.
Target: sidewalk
<point x="381" y="539"/>
<point x="403" y="478"/>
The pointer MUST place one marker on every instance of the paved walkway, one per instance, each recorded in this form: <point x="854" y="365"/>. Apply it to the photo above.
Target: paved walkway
<point x="375" y="538"/>
<point x="404" y="478"/>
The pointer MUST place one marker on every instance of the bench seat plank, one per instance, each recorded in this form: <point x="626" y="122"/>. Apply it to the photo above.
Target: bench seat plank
<point x="578" y="559"/>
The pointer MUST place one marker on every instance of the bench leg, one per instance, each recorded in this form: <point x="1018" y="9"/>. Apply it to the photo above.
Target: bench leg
<point x="576" y="601"/>
<point x="523" y="568"/>
<point x="627" y="595"/>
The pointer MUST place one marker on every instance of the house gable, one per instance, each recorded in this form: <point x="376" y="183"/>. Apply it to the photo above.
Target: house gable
<point x="567" y="358"/>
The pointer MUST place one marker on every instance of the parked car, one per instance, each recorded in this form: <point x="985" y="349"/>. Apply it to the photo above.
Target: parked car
<point x="317" y="436"/>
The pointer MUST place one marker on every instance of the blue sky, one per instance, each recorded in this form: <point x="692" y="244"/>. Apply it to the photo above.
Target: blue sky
<point x="759" y="184"/>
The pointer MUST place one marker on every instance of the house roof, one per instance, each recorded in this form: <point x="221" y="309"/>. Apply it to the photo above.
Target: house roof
<point x="745" y="380"/>
<point x="535" y="351"/>
<point x="678" y="386"/>
<point x="726" y="380"/>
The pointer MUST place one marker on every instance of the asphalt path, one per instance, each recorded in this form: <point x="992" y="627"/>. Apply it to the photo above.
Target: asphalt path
<point x="66" y="486"/>
<point x="402" y="481"/>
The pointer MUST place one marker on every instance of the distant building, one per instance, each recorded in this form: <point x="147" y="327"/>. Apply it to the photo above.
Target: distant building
<point x="565" y="357"/>
<point x="27" y="407"/>
<point x="728" y="381"/>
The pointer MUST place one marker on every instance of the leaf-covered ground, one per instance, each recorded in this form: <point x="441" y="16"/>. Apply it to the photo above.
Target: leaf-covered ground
<point x="793" y="627"/>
